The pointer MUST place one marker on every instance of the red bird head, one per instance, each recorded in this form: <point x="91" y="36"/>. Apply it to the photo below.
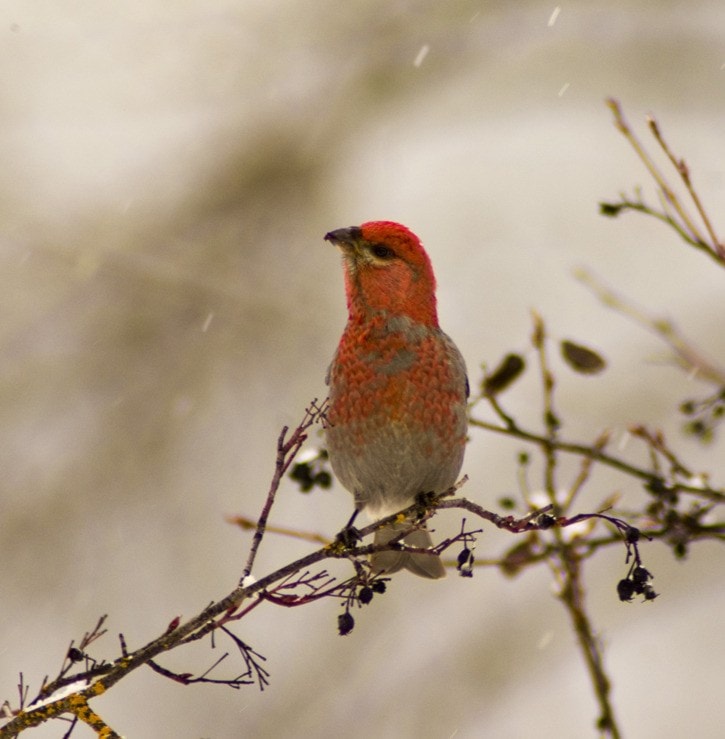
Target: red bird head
<point x="386" y="271"/>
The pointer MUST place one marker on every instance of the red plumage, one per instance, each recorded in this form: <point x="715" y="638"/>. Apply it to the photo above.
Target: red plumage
<point x="398" y="389"/>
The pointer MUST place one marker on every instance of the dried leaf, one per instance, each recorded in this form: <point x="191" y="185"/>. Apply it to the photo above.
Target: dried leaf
<point x="510" y="367"/>
<point x="581" y="359"/>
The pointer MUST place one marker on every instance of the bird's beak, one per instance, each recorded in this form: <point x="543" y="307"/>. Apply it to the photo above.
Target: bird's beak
<point x="345" y="238"/>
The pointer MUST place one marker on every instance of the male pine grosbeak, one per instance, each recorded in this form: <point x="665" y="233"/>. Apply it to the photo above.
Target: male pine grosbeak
<point x="398" y="388"/>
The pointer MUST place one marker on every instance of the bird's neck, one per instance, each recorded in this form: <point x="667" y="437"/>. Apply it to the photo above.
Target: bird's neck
<point x="368" y="299"/>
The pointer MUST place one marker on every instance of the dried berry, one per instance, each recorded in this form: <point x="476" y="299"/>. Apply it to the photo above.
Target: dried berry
<point x="345" y="623"/>
<point x="625" y="590"/>
<point x="464" y="556"/>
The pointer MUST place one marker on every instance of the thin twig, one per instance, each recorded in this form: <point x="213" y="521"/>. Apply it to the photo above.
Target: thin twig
<point x="572" y="595"/>
<point x="584" y="472"/>
<point x="688" y="356"/>
<point x="705" y="492"/>
<point x="248" y="523"/>
<point x="286" y="451"/>
<point x="551" y="422"/>
<point x="684" y="171"/>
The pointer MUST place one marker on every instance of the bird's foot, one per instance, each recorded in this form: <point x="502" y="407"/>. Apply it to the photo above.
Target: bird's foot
<point x="425" y="501"/>
<point x="348" y="537"/>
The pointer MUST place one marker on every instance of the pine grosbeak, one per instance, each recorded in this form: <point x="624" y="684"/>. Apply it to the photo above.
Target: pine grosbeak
<point x="396" y="424"/>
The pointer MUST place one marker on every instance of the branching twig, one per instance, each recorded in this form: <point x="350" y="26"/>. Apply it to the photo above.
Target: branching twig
<point x="684" y="224"/>
<point x="186" y="678"/>
<point x="104" y="676"/>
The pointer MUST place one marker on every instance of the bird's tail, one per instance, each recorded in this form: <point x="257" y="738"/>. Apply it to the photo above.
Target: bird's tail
<point x="423" y="565"/>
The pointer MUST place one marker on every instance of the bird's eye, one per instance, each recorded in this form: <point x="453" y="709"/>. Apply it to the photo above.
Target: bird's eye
<point x="382" y="252"/>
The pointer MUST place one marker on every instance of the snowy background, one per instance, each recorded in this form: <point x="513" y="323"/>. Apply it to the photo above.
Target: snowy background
<point x="167" y="304"/>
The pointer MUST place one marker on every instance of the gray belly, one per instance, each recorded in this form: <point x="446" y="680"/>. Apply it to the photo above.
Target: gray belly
<point x="392" y="465"/>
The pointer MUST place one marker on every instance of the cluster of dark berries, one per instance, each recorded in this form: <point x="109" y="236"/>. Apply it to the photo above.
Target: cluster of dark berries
<point x="637" y="582"/>
<point x="345" y="621"/>
<point x="312" y="472"/>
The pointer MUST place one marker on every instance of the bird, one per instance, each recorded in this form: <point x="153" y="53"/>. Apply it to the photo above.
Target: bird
<point x="396" y="422"/>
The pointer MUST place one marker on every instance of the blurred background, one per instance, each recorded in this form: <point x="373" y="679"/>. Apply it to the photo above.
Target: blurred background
<point x="168" y="303"/>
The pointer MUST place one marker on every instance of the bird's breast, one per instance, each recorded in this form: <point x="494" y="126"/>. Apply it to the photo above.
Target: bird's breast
<point x="397" y="372"/>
